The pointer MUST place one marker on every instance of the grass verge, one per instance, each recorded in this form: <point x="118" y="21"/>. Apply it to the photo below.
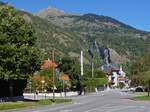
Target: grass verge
<point x="28" y="104"/>
<point x="142" y="98"/>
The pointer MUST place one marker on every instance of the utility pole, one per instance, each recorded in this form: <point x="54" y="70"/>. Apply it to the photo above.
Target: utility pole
<point x="148" y="87"/>
<point x="53" y="53"/>
<point x="80" y="83"/>
<point x="81" y="60"/>
<point x="92" y="69"/>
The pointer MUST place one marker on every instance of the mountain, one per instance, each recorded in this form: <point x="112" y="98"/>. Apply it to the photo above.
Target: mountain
<point x="108" y="32"/>
<point x="69" y="33"/>
<point x="50" y="11"/>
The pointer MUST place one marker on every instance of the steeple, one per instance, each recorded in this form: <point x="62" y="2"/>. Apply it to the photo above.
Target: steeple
<point x="121" y="72"/>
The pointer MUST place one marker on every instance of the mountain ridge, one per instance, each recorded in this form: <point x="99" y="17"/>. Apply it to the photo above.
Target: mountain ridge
<point x="69" y="34"/>
<point x="105" y="30"/>
<point x="88" y="16"/>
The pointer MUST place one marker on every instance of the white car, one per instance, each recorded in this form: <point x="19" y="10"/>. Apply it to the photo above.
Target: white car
<point x="132" y="89"/>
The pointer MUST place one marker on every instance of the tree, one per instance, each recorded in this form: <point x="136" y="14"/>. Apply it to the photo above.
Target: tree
<point x="121" y="85"/>
<point x="97" y="74"/>
<point x="72" y="68"/>
<point x="141" y="71"/>
<point x="19" y="58"/>
<point x="43" y="80"/>
<point x="97" y="81"/>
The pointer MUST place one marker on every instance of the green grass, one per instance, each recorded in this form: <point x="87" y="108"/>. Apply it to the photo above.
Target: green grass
<point x="16" y="105"/>
<point x="62" y="100"/>
<point x="51" y="101"/>
<point x="29" y="104"/>
<point x="45" y="102"/>
<point x="140" y="93"/>
<point x="142" y="98"/>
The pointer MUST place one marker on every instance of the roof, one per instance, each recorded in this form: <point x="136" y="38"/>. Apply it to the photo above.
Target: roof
<point x="121" y="78"/>
<point x="48" y="64"/>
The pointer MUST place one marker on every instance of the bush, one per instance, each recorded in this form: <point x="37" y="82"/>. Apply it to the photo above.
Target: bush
<point x="62" y="100"/>
<point x="121" y="85"/>
<point x="45" y="102"/>
<point x="92" y="83"/>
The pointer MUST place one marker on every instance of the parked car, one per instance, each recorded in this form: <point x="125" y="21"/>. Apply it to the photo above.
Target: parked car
<point x="140" y="89"/>
<point x="132" y="89"/>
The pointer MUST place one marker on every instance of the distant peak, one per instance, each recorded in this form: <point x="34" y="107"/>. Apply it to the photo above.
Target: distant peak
<point x="51" y="11"/>
<point x="50" y="8"/>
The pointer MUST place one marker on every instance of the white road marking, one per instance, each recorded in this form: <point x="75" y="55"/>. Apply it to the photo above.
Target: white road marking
<point x="121" y="108"/>
<point x="142" y="106"/>
<point x="66" y="110"/>
<point x="77" y="103"/>
<point x="92" y="110"/>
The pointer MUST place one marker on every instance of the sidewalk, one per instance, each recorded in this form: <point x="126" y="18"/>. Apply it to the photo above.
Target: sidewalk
<point x="33" y="96"/>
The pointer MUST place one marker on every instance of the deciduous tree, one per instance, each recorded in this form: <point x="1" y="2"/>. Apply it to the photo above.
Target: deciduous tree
<point x="18" y="56"/>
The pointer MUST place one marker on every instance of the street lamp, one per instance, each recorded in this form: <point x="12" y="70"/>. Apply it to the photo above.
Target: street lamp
<point x="53" y="53"/>
<point x="51" y="64"/>
<point x="30" y="85"/>
<point x="42" y="81"/>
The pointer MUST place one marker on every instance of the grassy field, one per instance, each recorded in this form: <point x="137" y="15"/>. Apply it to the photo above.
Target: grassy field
<point x="29" y="104"/>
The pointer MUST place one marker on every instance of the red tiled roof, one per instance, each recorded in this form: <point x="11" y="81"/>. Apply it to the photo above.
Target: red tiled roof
<point x="120" y="78"/>
<point x="48" y="64"/>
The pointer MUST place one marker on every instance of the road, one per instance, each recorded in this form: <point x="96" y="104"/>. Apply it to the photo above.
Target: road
<point x="108" y="101"/>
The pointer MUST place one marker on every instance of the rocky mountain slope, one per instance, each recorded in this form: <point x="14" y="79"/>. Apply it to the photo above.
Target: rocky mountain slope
<point x="69" y="33"/>
<point x="125" y="40"/>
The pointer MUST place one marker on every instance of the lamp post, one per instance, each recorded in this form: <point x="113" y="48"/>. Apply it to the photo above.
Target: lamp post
<point x="43" y="81"/>
<point x="51" y="64"/>
<point x="53" y="53"/>
<point x="30" y="85"/>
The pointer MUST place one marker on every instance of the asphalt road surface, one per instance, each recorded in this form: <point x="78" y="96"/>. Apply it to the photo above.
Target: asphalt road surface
<point x="107" y="101"/>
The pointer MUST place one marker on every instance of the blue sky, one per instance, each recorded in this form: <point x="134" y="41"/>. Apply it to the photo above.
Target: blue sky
<point x="131" y="12"/>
